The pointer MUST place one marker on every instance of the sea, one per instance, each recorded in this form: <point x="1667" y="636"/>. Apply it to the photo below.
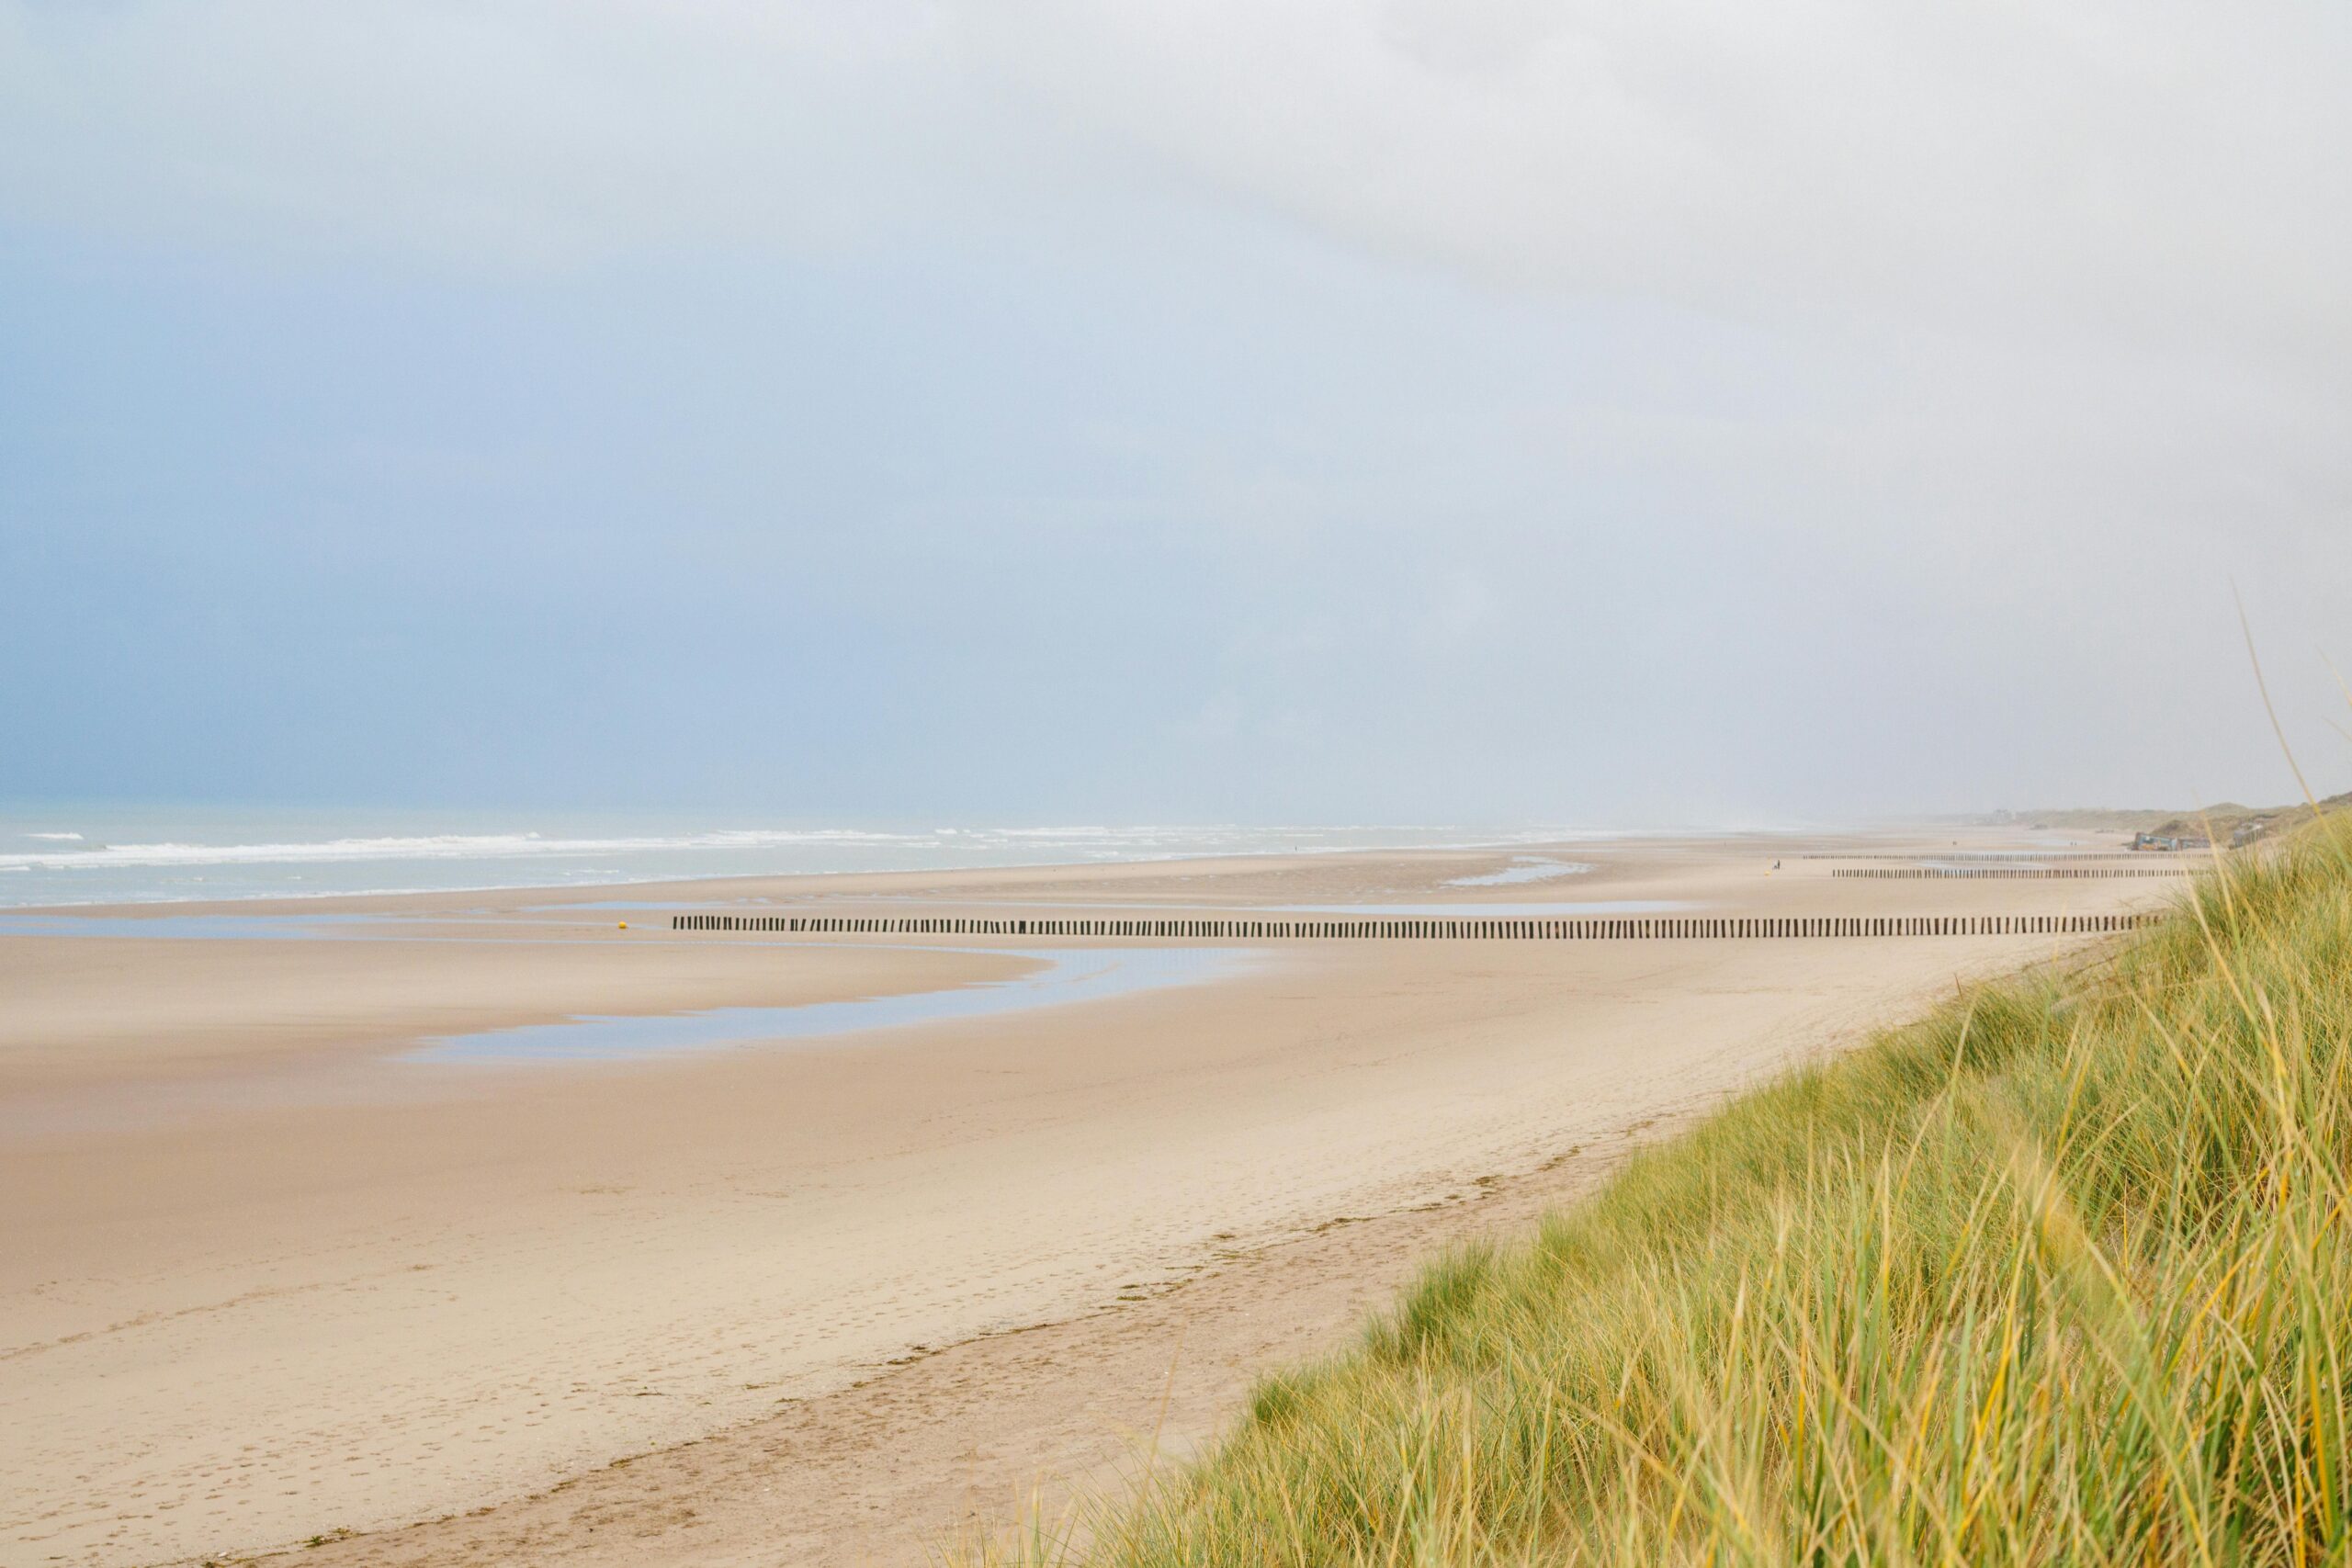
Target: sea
<point x="62" y="854"/>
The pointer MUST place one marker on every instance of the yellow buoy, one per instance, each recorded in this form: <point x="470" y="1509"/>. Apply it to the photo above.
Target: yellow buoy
<point x="624" y="925"/>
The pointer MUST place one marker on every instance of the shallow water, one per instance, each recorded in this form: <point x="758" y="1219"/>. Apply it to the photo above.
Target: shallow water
<point x="1524" y="868"/>
<point x="1069" y="976"/>
<point x="195" y="927"/>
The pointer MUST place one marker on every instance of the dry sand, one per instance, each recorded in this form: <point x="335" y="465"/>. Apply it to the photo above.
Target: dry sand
<point x="831" y="1299"/>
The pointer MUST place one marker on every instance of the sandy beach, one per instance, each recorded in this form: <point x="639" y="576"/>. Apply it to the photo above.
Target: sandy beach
<point x="281" y="1268"/>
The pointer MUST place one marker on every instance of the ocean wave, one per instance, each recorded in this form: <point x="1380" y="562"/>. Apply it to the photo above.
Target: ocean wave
<point x="442" y="846"/>
<point x="1093" y="841"/>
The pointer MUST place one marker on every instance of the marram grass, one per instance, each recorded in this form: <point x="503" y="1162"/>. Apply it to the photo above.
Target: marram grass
<point x="2056" y="1275"/>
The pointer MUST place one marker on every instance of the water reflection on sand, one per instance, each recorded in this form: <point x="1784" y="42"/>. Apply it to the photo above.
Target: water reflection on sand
<point x="1067" y="975"/>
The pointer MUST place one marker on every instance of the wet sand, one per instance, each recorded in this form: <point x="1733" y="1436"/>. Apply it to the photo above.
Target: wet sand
<point x="271" y="1276"/>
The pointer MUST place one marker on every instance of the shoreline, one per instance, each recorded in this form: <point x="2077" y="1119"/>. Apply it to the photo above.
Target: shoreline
<point x="932" y="876"/>
<point x="1573" y="837"/>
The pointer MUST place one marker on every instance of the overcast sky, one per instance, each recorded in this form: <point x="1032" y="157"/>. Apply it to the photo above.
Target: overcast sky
<point x="1243" y="410"/>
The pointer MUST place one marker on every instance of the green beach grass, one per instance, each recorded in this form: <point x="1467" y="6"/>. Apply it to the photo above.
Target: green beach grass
<point x="2058" y="1274"/>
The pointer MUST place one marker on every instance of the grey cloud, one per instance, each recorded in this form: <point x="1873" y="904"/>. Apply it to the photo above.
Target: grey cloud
<point x="2168" y="171"/>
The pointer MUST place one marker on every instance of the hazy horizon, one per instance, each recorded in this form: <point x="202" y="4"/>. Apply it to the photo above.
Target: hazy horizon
<point x="1381" y="412"/>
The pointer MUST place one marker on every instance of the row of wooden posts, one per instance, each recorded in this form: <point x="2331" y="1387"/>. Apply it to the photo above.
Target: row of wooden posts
<point x="1561" y="928"/>
<point x="1989" y="854"/>
<point x="2012" y="871"/>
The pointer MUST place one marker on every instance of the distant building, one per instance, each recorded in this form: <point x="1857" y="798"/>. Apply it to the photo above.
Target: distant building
<point x="2171" y="842"/>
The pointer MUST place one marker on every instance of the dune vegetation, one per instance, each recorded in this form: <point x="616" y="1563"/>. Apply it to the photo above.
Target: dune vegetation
<point x="2058" y="1274"/>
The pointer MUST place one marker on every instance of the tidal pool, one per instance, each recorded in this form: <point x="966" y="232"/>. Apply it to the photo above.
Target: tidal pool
<point x="1524" y="868"/>
<point x="1070" y="974"/>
